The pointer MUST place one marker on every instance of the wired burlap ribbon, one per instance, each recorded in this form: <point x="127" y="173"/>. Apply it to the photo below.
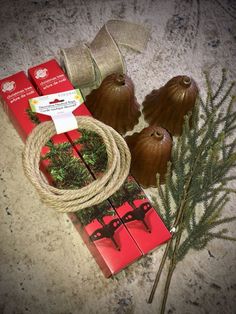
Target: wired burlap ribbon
<point x="88" y="64"/>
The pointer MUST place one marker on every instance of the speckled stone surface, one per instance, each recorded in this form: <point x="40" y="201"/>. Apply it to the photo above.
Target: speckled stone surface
<point x="44" y="265"/>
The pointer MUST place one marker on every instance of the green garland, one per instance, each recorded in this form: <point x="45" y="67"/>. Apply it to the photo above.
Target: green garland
<point x="68" y="172"/>
<point x="196" y="189"/>
<point x="93" y="152"/>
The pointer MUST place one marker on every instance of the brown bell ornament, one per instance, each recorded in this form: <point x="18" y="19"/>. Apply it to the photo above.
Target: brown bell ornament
<point x="114" y="103"/>
<point x="150" y="152"/>
<point x="168" y="105"/>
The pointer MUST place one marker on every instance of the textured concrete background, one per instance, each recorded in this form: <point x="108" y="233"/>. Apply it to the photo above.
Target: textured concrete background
<point x="44" y="265"/>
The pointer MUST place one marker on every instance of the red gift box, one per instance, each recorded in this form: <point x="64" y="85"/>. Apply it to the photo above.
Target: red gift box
<point x="132" y="214"/>
<point x="136" y="212"/>
<point x="142" y="220"/>
<point x="15" y="92"/>
<point x="49" y="78"/>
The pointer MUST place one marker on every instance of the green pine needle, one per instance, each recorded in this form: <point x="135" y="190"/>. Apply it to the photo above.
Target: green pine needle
<point x="198" y="188"/>
<point x="201" y="160"/>
<point x="93" y="152"/>
<point x="69" y="172"/>
<point x="33" y="116"/>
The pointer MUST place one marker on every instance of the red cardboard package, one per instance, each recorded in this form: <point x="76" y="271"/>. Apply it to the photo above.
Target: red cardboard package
<point x="102" y="230"/>
<point x="134" y="208"/>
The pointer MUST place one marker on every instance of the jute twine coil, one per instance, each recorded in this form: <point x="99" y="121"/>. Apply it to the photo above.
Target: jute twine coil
<point x="118" y="166"/>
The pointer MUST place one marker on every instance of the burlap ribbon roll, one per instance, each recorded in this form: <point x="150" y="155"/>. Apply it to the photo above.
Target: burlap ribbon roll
<point x="88" y="64"/>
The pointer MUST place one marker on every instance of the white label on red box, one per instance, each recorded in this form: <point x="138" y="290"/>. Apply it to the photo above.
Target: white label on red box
<point x="60" y="107"/>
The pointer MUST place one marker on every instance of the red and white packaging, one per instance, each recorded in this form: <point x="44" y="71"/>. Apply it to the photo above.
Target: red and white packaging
<point x="54" y="81"/>
<point x="114" y="249"/>
<point x="139" y="217"/>
<point x="15" y="92"/>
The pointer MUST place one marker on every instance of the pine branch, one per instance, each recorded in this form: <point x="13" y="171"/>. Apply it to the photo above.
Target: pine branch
<point x="226" y="95"/>
<point x="33" y="116"/>
<point x="68" y="172"/>
<point x="201" y="161"/>
<point x="220" y="236"/>
<point x="221" y="85"/>
<point x="93" y="150"/>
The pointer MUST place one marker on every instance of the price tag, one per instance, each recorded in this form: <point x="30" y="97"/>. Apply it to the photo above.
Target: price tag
<point x="59" y="107"/>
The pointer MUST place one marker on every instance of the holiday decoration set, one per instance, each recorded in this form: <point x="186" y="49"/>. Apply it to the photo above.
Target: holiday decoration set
<point x="117" y="231"/>
<point x="186" y="152"/>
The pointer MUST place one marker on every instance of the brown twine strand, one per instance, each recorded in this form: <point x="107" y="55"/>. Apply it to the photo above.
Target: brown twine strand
<point x="118" y="165"/>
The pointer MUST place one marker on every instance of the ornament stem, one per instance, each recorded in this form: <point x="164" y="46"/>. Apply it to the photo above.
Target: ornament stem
<point x="178" y="220"/>
<point x="120" y="78"/>
<point x="167" y="287"/>
<point x="159" y="272"/>
<point x="157" y="135"/>
<point x="187" y="80"/>
<point x="172" y="266"/>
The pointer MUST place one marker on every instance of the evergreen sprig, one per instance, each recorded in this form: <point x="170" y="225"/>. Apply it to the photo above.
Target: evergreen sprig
<point x="68" y="172"/>
<point x="89" y="214"/>
<point x="198" y="177"/>
<point x="129" y="192"/>
<point x="93" y="152"/>
<point x="33" y="116"/>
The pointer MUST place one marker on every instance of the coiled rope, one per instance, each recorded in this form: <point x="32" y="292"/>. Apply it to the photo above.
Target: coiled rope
<point x="118" y="165"/>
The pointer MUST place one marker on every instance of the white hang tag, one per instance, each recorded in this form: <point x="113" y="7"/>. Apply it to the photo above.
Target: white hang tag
<point x="59" y="107"/>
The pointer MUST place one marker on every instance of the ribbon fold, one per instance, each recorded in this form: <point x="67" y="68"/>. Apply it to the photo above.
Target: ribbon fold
<point x="88" y="64"/>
